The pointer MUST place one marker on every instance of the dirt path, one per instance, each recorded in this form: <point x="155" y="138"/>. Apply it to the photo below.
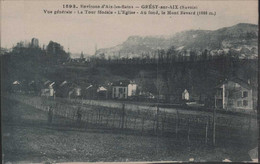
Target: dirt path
<point x="28" y="137"/>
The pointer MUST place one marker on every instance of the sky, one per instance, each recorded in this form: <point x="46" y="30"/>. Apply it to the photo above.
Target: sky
<point x="23" y="20"/>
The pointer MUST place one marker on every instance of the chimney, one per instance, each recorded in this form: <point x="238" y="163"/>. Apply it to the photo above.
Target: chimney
<point x="248" y="81"/>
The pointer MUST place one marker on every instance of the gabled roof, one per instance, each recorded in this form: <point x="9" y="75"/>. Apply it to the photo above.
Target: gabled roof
<point x="236" y="80"/>
<point x="185" y="91"/>
<point x="49" y="83"/>
<point x="63" y="83"/>
<point x="101" y="89"/>
<point x="16" y="82"/>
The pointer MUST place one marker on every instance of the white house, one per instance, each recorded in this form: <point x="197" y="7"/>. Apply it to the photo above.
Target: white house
<point x="132" y="87"/>
<point x="48" y="90"/>
<point x="77" y="91"/>
<point x="185" y="95"/>
<point x="120" y="90"/>
<point x="234" y="93"/>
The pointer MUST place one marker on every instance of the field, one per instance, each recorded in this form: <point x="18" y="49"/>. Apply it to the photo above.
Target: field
<point x="28" y="137"/>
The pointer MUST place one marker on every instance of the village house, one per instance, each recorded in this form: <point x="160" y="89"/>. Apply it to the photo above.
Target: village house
<point x="69" y="90"/>
<point x="32" y="87"/>
<point x="120" y="90"/>
<point x="124" y="89"/>
<point x="74" y="91"/>
<point x="16" y="86"/>
<point x="132" y="88"/>
<point x="234" y="94"/>
<point x="48" y="89"/>
<point x="89" y="91"/>
<point x="102" y="92"/>
<point x="62" y="89"/>
<point x="185" y="95"/>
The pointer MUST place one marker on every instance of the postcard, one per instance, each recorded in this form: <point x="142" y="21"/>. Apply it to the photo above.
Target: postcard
<point x="130" y="81"/>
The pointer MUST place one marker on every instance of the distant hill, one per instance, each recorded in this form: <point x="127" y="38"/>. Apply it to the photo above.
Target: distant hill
<point x="241" y="38"/>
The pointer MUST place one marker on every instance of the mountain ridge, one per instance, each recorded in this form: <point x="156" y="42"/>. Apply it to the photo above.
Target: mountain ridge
<point x="242" y="36"/>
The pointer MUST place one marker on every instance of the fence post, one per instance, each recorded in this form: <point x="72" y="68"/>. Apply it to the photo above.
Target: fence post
<point x="92" y="117"/>
<point x="214" y="126"/>
<point x="189" y="131"/>
<point x="135" y="122"/>
<point x="176" y="123"/>
<point x="157" y="119"/>
<point x="154" y="119"/>
<point x="114" y="117"/>
<point x="123" y="116"/>
<point x="142" y="124"/>
<point x="126" y="122"/>
<point x="163" y="122"/>
<point x="107" y="113"/>
<point x="101" y="116"/>
<point x="249" y="126"/>
<point x="206" y="135"/>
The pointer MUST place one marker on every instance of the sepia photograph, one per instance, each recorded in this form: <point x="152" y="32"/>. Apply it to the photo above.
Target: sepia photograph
<point x="132" y="81"/>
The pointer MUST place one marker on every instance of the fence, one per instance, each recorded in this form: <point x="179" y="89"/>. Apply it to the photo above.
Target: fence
<point x="199" y="126"/>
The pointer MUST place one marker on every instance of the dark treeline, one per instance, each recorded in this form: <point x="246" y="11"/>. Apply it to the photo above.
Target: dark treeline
<point x="199" y="77"/>
<point x="164" y="74"/>
<point x="166" y="56"/>
<point x="31" y="63"/>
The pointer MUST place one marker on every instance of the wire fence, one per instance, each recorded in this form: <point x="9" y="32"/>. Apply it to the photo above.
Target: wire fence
<point x="204" y="127"/>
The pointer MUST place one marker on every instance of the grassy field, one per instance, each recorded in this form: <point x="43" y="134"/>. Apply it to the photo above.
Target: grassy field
<point x="27" y="137"/>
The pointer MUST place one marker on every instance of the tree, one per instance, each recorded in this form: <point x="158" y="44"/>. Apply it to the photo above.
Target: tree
<point x="192" y="56"/>
<point x="205" y="55"/>
<point x="171" y="52"/>
<point x="81" y="55"/>
<point x="56" y="53"/>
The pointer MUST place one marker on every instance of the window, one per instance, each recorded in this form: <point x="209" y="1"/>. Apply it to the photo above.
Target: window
<point x="245" y="103"/>
<point x="230" y="102"/>
<point x="120" y="90"/>
<point x="114" y="89"/>
<point x="245" y="94"/>
<point x="239" y="103"/>
<point x="124" y="89"/>
<point x="219" y="93"/>
<point x="237" y="95"/>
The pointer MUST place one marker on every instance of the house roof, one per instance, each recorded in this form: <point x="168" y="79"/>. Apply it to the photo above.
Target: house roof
<point x="69" y="84"/>
<point x="101" y="89"/>
<point x="63" y="83"/>
<point x="185" y="91"/>
<point x="236" y="80"/>
<point x="123" y="83"/>
<point x="16" y="82"/>
<point x="52" y="84"/>
<point x="49" y="83"/>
